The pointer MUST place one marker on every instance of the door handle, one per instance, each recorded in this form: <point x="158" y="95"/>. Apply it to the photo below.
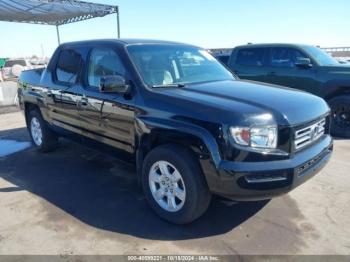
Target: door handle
<point x="50" y="94"/>
<point x="83" y="102"/>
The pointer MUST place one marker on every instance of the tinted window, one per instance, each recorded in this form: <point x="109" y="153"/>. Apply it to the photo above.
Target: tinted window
<point x="103" y="62"/>
<point x="285" y="57"/>
<point x="68" y="66"/>
<point x="11" y="63"/>
<point x="251" y="56"/>
<point x="223" y="59"/>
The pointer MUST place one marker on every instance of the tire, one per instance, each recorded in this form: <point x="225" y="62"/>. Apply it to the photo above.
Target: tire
<point x="190" y="193"/>
<point x="42" y="137"/>
<point x="340" y="118"/>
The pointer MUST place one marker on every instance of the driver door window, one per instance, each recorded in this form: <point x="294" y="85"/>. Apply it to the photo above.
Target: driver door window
<point x="285" y="57"/>
<point x="103" y="62"/>
<point x="283" y="70"/>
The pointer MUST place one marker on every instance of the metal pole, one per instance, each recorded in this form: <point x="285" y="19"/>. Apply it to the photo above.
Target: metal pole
<point x="118" y="22"/>
<point x="58" y="35"/>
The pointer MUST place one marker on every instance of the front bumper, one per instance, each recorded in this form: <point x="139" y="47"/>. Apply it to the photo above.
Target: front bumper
<point x="264" y="180"/>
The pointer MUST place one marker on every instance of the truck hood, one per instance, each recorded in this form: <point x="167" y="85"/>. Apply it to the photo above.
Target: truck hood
<point x="287" y="106"/>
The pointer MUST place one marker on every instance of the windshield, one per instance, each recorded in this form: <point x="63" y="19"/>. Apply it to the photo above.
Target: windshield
<point x="321" y="57"/>
<point x="162" y="65"/>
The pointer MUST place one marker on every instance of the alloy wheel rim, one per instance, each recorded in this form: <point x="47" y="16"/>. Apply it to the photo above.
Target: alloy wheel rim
<point x="341" y="116"/>
<point x="36" y="131"/>
<point x="167" y="186"/>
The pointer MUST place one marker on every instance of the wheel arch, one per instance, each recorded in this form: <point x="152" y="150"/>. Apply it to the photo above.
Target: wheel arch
<point x="336" y="88"/>
<point x="156" y="132"/>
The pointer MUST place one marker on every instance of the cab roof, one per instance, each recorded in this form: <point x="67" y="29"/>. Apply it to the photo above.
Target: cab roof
<point x="272" y="45"/>
<point x="122" y="42"/>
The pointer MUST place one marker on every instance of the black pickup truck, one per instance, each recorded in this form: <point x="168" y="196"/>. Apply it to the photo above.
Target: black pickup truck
<point x="189" y="126"/>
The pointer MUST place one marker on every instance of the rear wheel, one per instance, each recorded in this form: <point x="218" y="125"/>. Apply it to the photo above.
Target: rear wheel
<point x="42" y="137"/>
<point x="174" y="184"/>
<point x="340" y="119"/>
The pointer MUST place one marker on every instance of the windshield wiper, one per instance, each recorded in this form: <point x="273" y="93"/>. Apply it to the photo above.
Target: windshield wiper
<point x="168" y="85"/>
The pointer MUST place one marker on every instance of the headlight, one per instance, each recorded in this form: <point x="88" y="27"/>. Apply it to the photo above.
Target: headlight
<point x="257" y="137"/>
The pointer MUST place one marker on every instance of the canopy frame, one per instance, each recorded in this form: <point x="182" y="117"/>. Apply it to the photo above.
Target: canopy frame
<point x="54" y="12"/>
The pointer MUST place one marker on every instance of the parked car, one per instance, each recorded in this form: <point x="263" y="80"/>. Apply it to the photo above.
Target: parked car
<point x="189" y="126"/>
<point x="302" y="67"/>
<point x="13" y="68"/>
<point x="38" y="63"/>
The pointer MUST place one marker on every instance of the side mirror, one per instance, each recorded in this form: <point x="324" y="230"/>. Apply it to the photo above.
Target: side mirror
<point x="113" y="84"/>
<point x="303" y="63"/>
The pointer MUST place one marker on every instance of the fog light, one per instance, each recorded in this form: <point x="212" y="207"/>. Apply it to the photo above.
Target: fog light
<point x="261" y="178"/>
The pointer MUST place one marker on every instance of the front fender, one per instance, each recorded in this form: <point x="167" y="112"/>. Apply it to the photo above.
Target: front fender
<point x="146" y="125"/>
<point x="335" y="88"/>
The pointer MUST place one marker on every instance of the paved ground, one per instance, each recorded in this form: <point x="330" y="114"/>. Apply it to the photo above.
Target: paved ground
<point x="77" y="201"/>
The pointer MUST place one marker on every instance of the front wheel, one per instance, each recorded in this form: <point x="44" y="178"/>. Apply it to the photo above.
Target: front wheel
<point x="340" y="118"/>
<point x="174" y="184"/>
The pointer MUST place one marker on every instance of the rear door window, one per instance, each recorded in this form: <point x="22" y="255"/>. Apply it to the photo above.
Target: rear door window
<point x="68" y="66"/>
<point x="285" y="57"/>
<point x="251" y="56"/>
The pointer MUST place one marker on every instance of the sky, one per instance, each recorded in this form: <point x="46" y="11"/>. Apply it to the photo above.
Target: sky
<point x="206" y="23"/>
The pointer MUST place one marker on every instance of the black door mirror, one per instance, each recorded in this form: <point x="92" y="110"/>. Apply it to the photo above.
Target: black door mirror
<point x="113" y="84"/>
<point x="303" y="63"/>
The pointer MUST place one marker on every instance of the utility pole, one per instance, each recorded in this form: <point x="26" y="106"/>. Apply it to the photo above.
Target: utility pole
<point x="118" y="21"/>
<point x="58" y="35"/>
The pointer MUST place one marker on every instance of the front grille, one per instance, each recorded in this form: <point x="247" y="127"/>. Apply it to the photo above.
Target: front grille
<point x="309" y="134"/>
